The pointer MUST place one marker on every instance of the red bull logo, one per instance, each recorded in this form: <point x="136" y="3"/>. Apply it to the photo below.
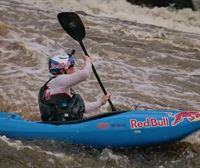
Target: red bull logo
<point x="149" y="122"/>
<point x="190" y="116"/>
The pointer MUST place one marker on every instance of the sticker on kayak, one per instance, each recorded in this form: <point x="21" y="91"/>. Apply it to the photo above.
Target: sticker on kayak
<point x="102" y="125"/>
<point x="189" y="115"/>
<point x="149" y="122"/>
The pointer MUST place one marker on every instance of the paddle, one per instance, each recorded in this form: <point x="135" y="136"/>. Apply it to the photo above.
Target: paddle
<point x="73" y="25"/>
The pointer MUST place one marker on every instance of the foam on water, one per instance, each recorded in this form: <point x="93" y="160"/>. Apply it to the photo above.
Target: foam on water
<point x="184" y="20"/>
<point x="15" y="144"/>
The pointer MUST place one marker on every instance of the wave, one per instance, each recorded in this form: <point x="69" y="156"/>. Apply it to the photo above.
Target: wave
<point x="178" y="4"/>
<point x="182" y="20"/>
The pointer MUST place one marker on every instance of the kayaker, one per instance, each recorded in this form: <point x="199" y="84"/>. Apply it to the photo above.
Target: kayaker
<point x="57" y="100"/>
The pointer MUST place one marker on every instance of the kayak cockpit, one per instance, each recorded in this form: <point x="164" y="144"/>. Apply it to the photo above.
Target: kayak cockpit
<point x="99" y="116"/>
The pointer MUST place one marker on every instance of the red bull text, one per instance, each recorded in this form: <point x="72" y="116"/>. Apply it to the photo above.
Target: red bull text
<point x="149" y="122"/>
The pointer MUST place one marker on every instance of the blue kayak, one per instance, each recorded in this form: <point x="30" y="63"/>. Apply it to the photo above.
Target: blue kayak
<point x="114" y="129"/>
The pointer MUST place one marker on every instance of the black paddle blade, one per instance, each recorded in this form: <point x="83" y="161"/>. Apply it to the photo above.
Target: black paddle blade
<point x="72" y="24"/>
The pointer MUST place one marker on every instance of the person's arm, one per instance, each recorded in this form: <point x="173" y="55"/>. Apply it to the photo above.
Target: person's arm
<point x="69" y="80"/>
<point x="92" y="106"/>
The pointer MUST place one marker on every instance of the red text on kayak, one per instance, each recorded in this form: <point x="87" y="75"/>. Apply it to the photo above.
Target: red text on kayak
<point x="149" y="122"/>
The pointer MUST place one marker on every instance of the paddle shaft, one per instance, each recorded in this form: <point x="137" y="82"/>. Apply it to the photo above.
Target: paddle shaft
<point x="97" y="76"/>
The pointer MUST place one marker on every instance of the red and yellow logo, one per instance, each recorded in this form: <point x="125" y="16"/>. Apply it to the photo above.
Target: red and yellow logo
<point x="189" y="115"/>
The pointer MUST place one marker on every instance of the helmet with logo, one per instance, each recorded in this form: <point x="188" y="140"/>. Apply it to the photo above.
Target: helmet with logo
<point x="60" y="63"/>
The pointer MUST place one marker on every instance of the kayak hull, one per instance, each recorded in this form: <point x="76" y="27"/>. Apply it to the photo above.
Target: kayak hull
<point x="116" y="129"/>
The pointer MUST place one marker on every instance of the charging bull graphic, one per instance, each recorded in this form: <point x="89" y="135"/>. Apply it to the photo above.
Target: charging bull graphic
<point x="190" y="116"/>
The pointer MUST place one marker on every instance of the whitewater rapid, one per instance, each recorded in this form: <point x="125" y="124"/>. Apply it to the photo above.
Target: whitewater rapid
<point x="147" y="57"/>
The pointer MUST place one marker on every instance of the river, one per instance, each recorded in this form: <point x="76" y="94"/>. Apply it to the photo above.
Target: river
<point x="145" y="57"/>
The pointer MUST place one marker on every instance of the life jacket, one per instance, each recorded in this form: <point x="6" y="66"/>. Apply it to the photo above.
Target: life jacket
<point x="60" y="107"/>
